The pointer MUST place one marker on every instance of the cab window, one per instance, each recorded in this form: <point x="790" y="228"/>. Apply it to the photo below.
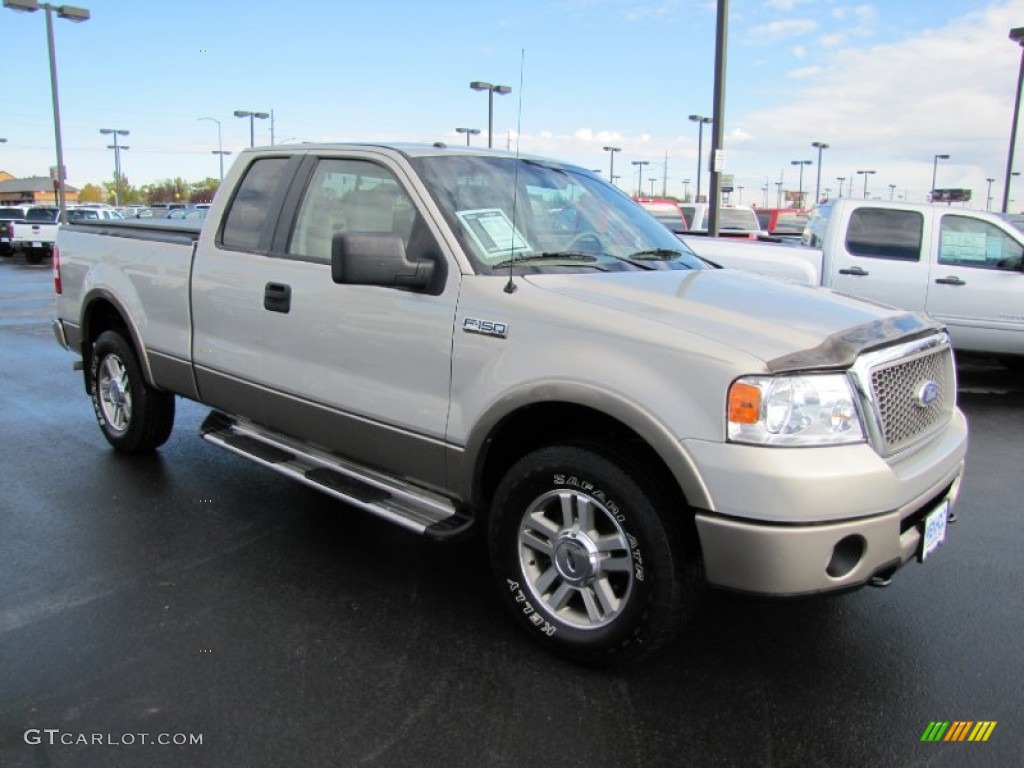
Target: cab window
<point x="882" y="233"/>
<point x="969" y="242"/>
<point x="350" y="196"/>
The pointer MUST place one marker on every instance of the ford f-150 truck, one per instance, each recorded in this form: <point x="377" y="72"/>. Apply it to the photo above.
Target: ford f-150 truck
<point x="423" y="332"/>
<point x="960" y="266"/>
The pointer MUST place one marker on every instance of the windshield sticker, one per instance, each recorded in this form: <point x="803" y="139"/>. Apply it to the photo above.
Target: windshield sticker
<point x="492" y="231"/>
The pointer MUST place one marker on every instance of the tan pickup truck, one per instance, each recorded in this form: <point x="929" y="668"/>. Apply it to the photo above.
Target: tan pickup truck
<point x="457" y="339"/>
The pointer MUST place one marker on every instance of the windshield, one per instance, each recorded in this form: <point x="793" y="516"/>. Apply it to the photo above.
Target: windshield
<point x="545" y="217"/>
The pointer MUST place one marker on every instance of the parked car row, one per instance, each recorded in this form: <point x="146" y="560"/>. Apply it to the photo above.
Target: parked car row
<point x="32" y="229"/>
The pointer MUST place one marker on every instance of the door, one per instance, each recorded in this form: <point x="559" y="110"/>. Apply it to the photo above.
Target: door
<point x="361" y="370"/>
<point x="976" y="286"/>
<point x="880" y="257"/>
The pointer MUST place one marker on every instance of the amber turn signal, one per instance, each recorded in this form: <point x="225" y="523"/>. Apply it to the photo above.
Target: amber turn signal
<point x="744" y="403"/>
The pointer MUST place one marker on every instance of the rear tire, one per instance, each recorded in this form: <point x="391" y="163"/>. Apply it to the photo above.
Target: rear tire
<point x="133" y="416"/>
<point x="587" y="558"/>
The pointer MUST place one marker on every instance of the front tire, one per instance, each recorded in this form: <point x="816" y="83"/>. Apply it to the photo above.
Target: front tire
<point x="586" y="557"/>
<point x="133" y="416"/>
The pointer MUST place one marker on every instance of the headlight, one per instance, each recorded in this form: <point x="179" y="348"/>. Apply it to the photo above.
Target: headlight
<point x="803" y="410"/>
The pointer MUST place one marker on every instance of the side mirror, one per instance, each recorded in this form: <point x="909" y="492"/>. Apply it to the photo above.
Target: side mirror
<point x="376" y="259"/>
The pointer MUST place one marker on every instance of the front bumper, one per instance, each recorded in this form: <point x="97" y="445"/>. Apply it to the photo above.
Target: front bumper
<point x="832" y="520"/>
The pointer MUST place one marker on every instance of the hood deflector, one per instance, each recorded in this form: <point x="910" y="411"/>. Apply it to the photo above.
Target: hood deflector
<point x="840" y="350"/>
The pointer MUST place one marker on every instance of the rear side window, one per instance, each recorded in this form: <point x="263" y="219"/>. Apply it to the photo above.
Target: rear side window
<point x="882" y="233"/>
<point x="250" y="209"/>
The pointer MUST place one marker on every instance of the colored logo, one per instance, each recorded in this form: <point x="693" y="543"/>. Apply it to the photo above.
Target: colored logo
<point x="927" y="393"/>
<point x="958" y="730"/>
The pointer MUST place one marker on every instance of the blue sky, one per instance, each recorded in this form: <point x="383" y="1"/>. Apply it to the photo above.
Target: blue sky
<point x="887" y="84"/>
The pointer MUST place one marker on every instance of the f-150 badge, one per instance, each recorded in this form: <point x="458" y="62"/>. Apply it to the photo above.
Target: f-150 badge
<point x="486" y="327"/>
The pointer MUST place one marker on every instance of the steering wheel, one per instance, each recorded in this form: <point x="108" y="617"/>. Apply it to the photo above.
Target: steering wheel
<point x="586" y="236"/>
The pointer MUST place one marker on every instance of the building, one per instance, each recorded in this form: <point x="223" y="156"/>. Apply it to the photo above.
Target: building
<point x="36" y="190"/>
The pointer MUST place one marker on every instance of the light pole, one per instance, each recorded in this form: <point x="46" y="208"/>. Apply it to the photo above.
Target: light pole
<point x="640" y="178"/>
<point x="701" y="121"/>
<point x="652" y="180"/>
<point x="892" y="191"/>
<point x="988" y="198"/>
<point x="115" y="132"/>
<point x="1017" y="35"/>
<point x="686" y="189"/>
<point x="501" y="90"/>
<point x="935" y="169"/>
<point x="819" y="145"/>
<point x="469" y="132"/>
<point x="841" y="179"/>
<point x="220" y="146"/>
<point x="71" y="13"/>
<point x="251" y="116"/>
<point x="801" y="163"/>
<point x="611" y="162"/>
<point x="865" y="174"/>
<point x="740" y="200"/>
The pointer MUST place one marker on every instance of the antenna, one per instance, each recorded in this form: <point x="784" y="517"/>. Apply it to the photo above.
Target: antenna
<point x="510" y="287"/>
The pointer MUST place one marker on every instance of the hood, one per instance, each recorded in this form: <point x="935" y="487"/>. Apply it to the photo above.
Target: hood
<point x="788" y="326"/>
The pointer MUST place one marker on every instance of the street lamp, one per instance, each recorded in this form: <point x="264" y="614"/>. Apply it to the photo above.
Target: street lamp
<point x="640" y="178"/>
<point x="611" y="161"/>
<point x="865" y="174"/>
<point x="988" y="198"/>
<point x="819" y="145"/>
<point x="801" y="163"/>
<point x="1017" y="35"/>
<point x="469" y="132"/>
<point x="251" y="115"/>
<point x="686" y="189"/>
<point x="892" y="191"/>
<point x="701" y="121"/>
<point x="71" y="13"/>
<point x="652" y="180"/>
<point x="220" y="146"/>
<point x="935" y="169"/>
<point x="740" y="200"/>
<point x="501" y="90"/>
<point x="115" y="132"/>
<point x="841" y="179"/>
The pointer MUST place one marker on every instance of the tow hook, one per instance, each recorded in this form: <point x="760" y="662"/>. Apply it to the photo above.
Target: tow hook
<point x="880" y="580"/>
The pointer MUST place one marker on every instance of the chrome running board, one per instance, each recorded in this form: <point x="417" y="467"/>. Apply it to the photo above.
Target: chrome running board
<point x="413" y="508"/>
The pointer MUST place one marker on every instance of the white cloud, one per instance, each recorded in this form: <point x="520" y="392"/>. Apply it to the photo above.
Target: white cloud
<point x="799" y="51"/>
<point x="893" y="106"/>
<point x="805" y="72"/>
<point x="783" y="5"/>
<point x="776" y="30"/>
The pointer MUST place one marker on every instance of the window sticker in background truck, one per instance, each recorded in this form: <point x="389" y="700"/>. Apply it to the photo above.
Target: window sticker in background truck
<point x="493" y="233"/>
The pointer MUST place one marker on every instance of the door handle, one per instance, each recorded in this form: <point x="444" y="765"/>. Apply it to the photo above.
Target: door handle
<point x="277" y="297"/>
<point x="856" y="271"/>
<point x="951" y="280"/>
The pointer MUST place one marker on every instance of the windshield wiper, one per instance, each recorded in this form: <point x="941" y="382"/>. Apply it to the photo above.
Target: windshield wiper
<point x="580" y="256"/>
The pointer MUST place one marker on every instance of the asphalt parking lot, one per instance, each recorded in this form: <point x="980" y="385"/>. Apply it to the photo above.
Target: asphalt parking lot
<point x="195" y="594"/>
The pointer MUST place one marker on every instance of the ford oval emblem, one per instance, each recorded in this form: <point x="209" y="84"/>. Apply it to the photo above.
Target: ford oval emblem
<point x="927" y="393"/>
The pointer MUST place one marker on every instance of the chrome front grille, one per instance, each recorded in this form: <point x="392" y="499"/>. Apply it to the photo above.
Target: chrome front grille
<point x="910" y="392"/>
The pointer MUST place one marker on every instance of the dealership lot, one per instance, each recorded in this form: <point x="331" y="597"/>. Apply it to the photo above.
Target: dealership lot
<point x="195" y="594"/>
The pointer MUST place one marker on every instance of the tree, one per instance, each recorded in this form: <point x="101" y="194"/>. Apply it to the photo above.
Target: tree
<point x="91" y="193"/>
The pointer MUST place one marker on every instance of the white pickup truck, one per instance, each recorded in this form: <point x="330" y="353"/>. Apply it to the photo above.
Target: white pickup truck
<point x="960" y="266"/>
<point x="35" y="234"/>
<point x="427" y="334"/>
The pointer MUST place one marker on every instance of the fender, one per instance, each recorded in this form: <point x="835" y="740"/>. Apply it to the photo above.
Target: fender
<point x="466" y="466"/>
